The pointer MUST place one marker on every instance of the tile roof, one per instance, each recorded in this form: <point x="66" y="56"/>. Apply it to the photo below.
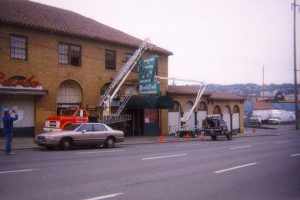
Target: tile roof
<point x="60" y="21"/>
<point x="262" y="105"/>
<point x="193" y="90"/>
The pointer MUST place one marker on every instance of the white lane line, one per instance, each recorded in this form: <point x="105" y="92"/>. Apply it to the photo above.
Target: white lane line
<point x="160" y="157"/>
<point x="296" y="154"/>
<point x="89" y="152"/>
<point x="188" y="145"/>
<point x="18" y="171"/>
<point x="242" y="147"/>
<point x="233" y="168"/>
<point x="105" y="197"/>
<point x="282" y="142"/>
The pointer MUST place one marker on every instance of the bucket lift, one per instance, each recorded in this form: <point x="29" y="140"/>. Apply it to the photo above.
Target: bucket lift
<point x="184" y="129"/>
<point x="114" y="87"/>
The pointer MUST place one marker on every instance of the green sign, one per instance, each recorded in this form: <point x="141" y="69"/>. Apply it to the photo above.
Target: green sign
<point x="149" y="88"/>
<point x="147" y="69"/>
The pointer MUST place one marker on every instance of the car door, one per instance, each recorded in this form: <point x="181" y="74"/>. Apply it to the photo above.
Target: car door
<point x="86" y="134"/>
<point x="100" y="133"/>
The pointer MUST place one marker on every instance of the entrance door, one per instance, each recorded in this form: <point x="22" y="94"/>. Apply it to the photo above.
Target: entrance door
<point x="236" y="119"/>
<point x="151" y="122"/>
<point x="174" y="122"/>
<point x="191" y="121"/>
<point x="227" y="117"/>
<point x="201" y="115"/>
<point x="24" y="105"/>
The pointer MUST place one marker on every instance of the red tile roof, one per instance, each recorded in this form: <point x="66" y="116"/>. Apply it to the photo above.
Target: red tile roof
<point x="193" y="90"/>
<point x="261" y="105"/>
<point x="60" y="21"/>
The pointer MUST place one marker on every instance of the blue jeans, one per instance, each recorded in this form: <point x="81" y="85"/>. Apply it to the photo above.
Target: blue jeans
<point x="8" y="142"/>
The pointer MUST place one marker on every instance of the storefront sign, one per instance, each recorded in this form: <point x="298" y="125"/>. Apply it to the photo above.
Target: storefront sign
<point x="19" y="81"/>
<point x="147" y="69"/>
<point x="149" y="88"/>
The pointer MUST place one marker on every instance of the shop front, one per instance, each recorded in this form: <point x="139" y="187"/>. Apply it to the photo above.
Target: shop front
<point x="17" y="93"/>
<point x="145" y="111"/>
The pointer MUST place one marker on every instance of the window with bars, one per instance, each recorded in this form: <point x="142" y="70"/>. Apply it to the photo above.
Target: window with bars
<point x="69" y="54"/>
<point x="110" y="59"/>
<point x="18" y="47"/>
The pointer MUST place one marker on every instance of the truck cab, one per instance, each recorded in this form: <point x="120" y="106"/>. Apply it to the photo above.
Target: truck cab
<point x="68" y="116"/>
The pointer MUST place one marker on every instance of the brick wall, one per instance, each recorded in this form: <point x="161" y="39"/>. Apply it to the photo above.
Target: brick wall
<point x="43" y="63"/>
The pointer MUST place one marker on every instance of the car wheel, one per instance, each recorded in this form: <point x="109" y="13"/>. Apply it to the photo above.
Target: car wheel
<point x="110" y="142"/>
<point x="65" y="144"/>
<point x="229" y="136"/>
<point x="214" y="137"/>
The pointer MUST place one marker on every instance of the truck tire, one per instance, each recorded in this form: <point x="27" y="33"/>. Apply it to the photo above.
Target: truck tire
<point x="229" y="136"/>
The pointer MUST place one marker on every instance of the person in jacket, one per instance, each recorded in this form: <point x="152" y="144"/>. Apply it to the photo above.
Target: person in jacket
<point x="8" y="129"/>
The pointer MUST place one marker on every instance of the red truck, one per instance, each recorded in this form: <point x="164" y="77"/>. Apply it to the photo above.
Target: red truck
<point x="69" y="116"/>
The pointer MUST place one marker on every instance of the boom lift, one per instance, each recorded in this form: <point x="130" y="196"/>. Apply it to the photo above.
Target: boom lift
<point x="184" y="128"/>
<point x="107" y="116"/>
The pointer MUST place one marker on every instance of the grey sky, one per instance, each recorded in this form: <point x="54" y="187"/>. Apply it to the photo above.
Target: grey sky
<point x="222" y="41"/>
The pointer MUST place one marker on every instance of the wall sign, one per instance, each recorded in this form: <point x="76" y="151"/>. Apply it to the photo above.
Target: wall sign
<point x="149" y="88"/>
<point x="147" y="69"/>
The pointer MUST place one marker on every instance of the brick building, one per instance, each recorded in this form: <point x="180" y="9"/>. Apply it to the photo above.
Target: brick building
<point x="52" y="58"/>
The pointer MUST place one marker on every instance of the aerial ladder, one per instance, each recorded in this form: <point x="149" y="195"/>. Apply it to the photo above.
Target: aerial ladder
<point x="106" y="100"/>
<point x="184" y="128"/>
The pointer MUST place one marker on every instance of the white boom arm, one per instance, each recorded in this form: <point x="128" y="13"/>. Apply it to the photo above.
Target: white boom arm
<point x="122" y="76"/>
<point x="201" y="90"/>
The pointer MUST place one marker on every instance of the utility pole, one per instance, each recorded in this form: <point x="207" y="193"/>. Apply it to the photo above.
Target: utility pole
<point x="263" y="86"/>
<point x="294" y="5"/>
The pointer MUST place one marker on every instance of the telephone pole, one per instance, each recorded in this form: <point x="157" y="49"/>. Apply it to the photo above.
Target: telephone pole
<point x="263" y="86"/>
<point x="294" y="5"/>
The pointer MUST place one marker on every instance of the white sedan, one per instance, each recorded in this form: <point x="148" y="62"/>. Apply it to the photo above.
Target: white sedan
<point x="92" y="134"/>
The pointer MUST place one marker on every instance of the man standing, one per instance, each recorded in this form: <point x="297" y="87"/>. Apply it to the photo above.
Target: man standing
<point x="8" y="129"/>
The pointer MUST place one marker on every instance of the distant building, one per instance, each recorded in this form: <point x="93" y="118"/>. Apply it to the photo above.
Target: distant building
<point x="227" y="105"/>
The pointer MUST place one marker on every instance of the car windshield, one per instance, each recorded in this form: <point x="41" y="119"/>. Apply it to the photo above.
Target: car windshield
<point x="68" y="112"/>
<point x="71" y="127"/>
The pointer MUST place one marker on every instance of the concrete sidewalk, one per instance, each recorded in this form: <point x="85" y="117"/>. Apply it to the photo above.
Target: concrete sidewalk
<point x="27" y="142"/>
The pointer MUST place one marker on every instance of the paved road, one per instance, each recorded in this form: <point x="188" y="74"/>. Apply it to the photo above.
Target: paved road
<point x="265" y="167"/>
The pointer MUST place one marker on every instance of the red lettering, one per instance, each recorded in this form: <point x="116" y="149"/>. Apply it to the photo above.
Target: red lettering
<point x="28" y="82"/>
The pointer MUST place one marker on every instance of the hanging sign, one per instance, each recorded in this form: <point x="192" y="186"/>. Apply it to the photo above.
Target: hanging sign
<point x="149" y="88"/>
<point x="147" y="69"/>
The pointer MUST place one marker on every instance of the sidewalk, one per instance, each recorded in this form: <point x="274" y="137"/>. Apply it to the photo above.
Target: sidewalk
<point x="27" y="142"/>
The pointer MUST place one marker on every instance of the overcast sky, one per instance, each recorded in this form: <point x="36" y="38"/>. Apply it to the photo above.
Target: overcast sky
<point x="221" y="41"/>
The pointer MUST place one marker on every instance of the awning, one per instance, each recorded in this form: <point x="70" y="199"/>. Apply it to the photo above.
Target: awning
<point x="22" y="91"/>
<point x="148" y="102"/>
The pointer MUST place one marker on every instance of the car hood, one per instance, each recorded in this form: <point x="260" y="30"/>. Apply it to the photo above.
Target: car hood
<point x="56" y="133"/>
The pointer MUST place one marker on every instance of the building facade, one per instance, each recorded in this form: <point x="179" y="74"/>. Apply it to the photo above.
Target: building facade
<point x="53" y="58"/>
<point x="228" y="106"/>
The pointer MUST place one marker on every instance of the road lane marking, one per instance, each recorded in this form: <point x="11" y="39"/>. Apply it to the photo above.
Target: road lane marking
<point x="160" y="157"/>
<point x="18" y="171"/>
<point x="90" y="152"/>
<point x="242" y="147"/>
<point x="233" y="168"/>
<point x="187" y="145"/>
<point x="105" y="196"/>
<point x="282" y="142"/>
<point x="296" y="154"/>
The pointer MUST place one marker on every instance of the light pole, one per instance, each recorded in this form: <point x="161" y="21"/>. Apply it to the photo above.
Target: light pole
<point x="295" y="69"/>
